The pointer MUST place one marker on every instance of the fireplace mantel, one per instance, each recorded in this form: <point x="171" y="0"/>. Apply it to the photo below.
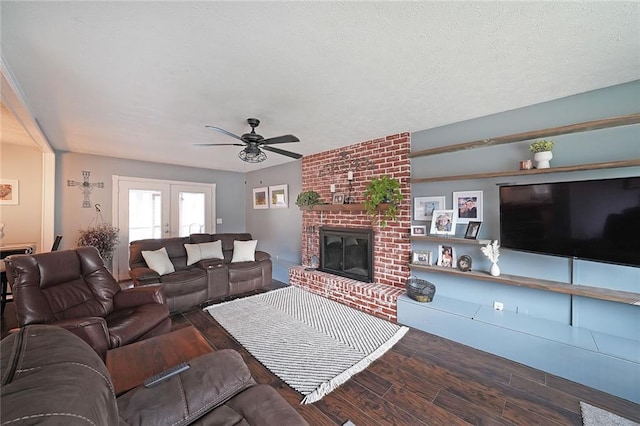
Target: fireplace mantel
<point x="341" y="207"/>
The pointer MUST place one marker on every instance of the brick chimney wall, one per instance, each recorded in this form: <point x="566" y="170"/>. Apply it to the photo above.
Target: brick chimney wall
<point x="392" y="247"/>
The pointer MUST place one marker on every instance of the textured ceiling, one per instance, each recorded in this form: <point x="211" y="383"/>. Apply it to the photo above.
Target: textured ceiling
<point x="142" y="79"/>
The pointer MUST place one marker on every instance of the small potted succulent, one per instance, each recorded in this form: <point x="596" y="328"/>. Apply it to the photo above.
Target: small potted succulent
<point x="542" y="152"/>
<point x="383" y="190"/>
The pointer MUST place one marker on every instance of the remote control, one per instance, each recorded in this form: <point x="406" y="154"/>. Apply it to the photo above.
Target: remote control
<point x="164" y="375"/>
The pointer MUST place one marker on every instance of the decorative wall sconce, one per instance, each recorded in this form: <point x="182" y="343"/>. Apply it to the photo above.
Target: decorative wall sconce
<point x="349" y="199"/>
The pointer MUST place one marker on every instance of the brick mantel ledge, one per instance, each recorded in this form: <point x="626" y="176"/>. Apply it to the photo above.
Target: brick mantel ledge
<point x="376" y="299"/>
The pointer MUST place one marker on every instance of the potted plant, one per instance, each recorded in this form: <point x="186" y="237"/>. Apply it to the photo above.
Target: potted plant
<point x="103" y="236"/>
<point x="308" y="198"/>
<point x="383" y="190"/>
<point x="542" y="152"/>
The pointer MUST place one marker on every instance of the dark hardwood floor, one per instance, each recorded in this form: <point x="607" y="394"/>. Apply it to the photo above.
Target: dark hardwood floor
<point x="426" y="380"/>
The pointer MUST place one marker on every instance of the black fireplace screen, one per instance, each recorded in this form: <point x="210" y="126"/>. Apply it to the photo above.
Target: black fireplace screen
<point x="347" y="252"/>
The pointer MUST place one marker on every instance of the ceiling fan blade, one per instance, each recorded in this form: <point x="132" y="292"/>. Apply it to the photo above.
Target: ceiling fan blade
<point x="282" y="152"/>
<point x="280" y="139"/>
<point x="218" y="144"/>
<point x="224" y="132"/>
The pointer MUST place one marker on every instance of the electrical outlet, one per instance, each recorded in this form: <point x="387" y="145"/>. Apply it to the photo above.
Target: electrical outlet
<point x="498" y="306"/>
<point x="219" y="221"/>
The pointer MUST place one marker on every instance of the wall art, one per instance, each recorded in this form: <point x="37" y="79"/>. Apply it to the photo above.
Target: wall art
<point x="279" y="196"/>
<point x="260" y="198"/>
<point x="468" y="206"/>
<point x="423" y="207"/>
<point x="9" y="192"/>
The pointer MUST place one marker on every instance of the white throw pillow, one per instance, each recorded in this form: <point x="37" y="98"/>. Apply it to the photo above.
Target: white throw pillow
<point x="244" y="251"/>
<point x="158" y="260"/>
<point x="197" y="252"/>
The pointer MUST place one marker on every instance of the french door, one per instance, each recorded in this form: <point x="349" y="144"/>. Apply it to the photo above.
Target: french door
<point x="150" y="208"/>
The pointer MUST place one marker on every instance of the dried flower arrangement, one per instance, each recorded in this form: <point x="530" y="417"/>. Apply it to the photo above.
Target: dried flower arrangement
<point x="492" y="251"/>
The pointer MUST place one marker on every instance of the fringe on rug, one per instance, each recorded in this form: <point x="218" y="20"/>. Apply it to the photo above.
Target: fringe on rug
<point x="332" y="384"/>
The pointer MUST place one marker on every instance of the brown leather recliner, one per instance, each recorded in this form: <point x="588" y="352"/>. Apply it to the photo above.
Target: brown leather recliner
<point x="73" y="289"/>
<point x="49" y="376"/>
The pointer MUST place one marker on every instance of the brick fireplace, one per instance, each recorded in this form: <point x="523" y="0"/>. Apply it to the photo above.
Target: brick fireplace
<point x="392" y="247"/>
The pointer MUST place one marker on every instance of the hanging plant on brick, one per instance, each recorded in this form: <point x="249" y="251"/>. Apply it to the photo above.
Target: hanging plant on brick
<point x="382" y="190"/>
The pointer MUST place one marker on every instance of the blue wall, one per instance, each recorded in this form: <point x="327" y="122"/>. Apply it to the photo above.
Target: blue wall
<point x="621" y="143"/>
<point x="278" y="231"/>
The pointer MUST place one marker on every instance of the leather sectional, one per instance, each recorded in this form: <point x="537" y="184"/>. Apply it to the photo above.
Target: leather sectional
<point x="50" y="376"/>
<point x="207" y="279"/>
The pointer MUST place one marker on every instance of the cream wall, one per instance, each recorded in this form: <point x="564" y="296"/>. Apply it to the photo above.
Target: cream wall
<point x="23" y="222"/>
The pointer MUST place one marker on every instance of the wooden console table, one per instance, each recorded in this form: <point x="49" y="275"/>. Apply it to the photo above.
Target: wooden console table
<point x="132" y="364"/>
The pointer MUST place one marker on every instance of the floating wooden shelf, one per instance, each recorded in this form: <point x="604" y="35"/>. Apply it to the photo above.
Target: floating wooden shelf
<point x="340" y="207"/>
<point x="451" y="240"/>
<point x="593" y="166"/>
<point x="555" y="286"/>
<point x="624" y="120"/>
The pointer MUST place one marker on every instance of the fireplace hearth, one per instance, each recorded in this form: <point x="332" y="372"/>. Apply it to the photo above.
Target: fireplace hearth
<point x="347" y="252"/>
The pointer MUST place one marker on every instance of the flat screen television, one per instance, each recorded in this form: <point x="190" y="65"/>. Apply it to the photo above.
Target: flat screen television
<point x="595" y="220"/>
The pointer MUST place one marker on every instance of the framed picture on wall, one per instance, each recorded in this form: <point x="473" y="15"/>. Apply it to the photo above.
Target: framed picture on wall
<point x="9" y="192"/>
<point x="468" y="206"/>
<point x="443" y="223"/>
<point x="260" y="200"/>
<point x="423" y="207"/>
<point x="279" y="196"/>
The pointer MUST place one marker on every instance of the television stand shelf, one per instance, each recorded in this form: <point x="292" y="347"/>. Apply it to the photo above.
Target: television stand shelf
<point x="554" y="286"/>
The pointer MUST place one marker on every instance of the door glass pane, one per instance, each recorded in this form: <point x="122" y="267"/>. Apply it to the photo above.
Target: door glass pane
<point x="145" y="214"/>
<point x="191" y="213"/>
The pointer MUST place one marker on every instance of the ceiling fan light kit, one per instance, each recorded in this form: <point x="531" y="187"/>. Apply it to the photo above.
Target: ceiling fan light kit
<point x="252" y="157"/>
<point x="253" y="142"/>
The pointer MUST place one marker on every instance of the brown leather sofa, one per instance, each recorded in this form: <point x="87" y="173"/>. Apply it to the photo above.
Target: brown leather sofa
<point x="208" y="279"/>
<point x="73" y="289"/>
<point x="50" y="376"/>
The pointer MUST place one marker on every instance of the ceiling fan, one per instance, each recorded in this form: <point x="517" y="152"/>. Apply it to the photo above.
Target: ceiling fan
<point x="252" y="142"/>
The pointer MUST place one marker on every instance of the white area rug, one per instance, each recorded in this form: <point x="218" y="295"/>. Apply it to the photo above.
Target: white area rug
<point x="312" y="343"/>
<point x="594" y="416"/>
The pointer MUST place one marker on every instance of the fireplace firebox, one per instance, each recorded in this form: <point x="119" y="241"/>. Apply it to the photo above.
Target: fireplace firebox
<point x="347" y="252"/>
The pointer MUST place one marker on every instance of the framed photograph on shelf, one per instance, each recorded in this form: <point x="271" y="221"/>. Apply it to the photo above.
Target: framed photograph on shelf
<point x="468" y="206"/>
<point x="446" y="256"/>
<point x="421" y="257"/>
<point x="473" y="228"/>
<point x="418" y="230"/>
<point x="260" y="198"/>
<point x="279" y="196"/>
<point x="423" y="207"/>
<point x="9" y="192"/>
<point x="443" y="222"/>
<point x="338" y="198"/>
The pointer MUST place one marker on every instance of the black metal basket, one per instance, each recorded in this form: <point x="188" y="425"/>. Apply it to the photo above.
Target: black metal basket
<point x="420" y="290"/>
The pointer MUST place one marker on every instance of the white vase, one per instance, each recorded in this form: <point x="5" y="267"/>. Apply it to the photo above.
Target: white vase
<point x="495" y="269"/>
<point x="543" y="159"/>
